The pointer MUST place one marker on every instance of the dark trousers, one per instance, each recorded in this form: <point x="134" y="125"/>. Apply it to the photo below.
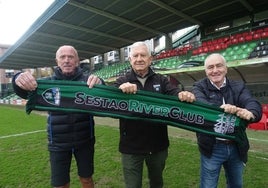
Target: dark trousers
<point x="133" y="168"/>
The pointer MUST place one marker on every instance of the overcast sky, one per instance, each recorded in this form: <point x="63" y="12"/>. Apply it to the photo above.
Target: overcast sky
<point x="16" y="16"/>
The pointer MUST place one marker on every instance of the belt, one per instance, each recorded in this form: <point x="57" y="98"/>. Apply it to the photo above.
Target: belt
<point x="227" y="142"/>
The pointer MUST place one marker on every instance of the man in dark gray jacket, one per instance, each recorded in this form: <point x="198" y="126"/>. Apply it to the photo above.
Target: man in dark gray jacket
<point x="143" y="141"/>
<point x="234" y="98"/>
<point x="68" y="133"/>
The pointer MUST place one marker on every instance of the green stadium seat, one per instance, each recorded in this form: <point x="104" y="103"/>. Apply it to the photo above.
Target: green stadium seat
<point x="252" y="45"/>
<point x="228" y="58"/>
<point x="244" y="55"/>
<point x="230" y="53"/>
<point x="228" y="49"/>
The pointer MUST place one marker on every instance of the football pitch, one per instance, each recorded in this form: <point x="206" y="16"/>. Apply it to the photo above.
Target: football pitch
<point x="24" y="161"/>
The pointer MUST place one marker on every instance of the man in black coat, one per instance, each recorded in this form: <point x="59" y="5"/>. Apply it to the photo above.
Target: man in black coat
<point x="216" y="89"/>
<point x="143" y="141"/>
<point x="68" y="133"/>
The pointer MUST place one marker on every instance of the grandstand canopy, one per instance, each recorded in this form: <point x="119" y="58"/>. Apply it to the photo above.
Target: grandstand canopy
<point x="98" y="26"/>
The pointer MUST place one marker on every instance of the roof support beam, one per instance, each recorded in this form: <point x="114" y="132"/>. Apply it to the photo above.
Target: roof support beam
<point x="70" y="26"/>
<point x="114" y="17"/>
<point x="247" y="5"/>
<point x="240" y="74"/>
<point x="73" y="40"/>
<point x="175" y="11"/>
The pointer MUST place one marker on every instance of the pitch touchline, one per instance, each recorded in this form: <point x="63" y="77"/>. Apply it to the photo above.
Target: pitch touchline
<point x="21" y="134"/>
<point x="38" y="131"/>
<point x="258" y="139"/>
<point x="32" y="132"/>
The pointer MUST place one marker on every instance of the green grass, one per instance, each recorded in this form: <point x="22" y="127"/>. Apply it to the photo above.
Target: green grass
<point x="24" y="161"/>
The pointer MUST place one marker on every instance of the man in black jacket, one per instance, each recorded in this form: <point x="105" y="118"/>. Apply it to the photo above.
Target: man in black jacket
<point x="68" y="133"/>
<point x="142" y="140"/>
<point x="234" y="98"/>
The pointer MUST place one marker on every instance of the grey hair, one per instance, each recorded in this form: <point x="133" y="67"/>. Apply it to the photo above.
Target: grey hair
<point x="69" y="46"/>
<point x="137" y="44"/>
<point x="215" y="55"/>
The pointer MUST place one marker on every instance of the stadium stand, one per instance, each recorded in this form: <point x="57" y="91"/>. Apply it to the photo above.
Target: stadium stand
<point x="261" y="125"/>
<point x="265" y="109"/>
<point x="244" y="43"/>
<point x="13" y="99"/>
<point x="113" y="70"/>
<point x="260" y="50"/>
<point x="238" y="46"/>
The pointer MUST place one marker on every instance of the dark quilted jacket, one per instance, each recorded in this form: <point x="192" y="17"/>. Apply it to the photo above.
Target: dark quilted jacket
<point x="66" y="130"/>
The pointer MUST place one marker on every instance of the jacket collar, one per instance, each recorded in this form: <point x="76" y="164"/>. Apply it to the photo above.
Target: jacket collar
<point x="223" y="84"/>
<point x="212" y="86"/>
<point x="133" y="75"/>
<point x="59" y="75"/>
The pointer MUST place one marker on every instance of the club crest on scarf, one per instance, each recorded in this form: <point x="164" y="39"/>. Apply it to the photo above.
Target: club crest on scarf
<point x="52" y="96"/>
<point x="225" y="124"/>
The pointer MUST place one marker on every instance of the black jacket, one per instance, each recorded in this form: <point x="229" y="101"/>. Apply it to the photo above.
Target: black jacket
<point x="235" y="93"/>
<point x="66" y="130"/>
<point x="143" y="137"/>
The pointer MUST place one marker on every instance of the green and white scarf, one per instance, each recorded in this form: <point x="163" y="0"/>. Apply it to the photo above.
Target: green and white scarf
<point x="108" y="101"/>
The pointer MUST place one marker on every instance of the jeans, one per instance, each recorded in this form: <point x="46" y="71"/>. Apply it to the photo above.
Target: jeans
<point x="133" y="168"/>
<point x="223" y="155"/>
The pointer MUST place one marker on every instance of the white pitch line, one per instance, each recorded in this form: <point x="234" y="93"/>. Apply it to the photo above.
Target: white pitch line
<point x="26" y="133"/>
<point x="32" y="132"/>
<point x="263" y="158"/>
<point x="258" y="139"/>
<point x="21" y="134"/>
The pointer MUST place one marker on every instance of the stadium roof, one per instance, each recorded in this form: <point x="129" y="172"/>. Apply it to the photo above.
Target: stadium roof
<point x="98" y="26"/>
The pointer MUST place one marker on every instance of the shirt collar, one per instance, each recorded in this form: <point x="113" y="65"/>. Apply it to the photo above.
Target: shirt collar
<point x="223" y="84"/>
